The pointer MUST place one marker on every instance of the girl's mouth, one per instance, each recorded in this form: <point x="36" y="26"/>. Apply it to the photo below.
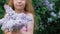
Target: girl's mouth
<point x="19" y="5"/>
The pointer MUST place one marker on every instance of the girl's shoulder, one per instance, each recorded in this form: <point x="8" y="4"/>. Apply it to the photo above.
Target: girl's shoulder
<point x="30" y="15"/>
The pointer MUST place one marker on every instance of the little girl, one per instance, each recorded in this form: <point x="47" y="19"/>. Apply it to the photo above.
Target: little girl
<point x="19" y="17"/>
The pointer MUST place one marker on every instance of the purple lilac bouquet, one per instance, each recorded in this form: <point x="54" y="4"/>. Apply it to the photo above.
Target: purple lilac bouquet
<point x="13" y="21"/>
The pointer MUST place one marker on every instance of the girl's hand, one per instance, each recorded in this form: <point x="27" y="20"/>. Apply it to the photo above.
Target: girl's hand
<point x="7" y="32"/>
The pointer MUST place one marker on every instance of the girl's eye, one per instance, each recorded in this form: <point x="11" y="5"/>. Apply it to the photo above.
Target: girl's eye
<point x="15" y="0"/>
<point x="22" y="0"/>
<point x="19" y="0"/>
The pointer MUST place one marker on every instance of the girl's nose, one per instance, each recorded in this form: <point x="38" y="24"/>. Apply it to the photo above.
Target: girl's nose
<point x="19" y="1"/>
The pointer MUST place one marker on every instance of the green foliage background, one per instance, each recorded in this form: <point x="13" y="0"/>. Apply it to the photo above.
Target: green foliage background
<point x="45" y="23"/>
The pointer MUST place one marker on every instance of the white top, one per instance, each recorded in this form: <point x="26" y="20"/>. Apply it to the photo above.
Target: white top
<point x="13" y="19"/>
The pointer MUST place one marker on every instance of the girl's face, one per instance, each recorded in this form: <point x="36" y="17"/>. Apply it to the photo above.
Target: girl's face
<point x="19" y="4"/>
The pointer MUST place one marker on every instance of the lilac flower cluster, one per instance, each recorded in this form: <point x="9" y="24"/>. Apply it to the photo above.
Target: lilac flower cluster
<point x="13" y="21"/>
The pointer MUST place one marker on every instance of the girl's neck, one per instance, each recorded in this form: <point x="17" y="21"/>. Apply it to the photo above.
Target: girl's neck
<point x="19" y="11"/>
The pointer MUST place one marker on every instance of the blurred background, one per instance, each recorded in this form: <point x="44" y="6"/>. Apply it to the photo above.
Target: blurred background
<point x="47" y="16"/>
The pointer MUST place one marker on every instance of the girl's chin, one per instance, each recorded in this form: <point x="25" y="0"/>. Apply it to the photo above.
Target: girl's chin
<point x="19" y="7"/>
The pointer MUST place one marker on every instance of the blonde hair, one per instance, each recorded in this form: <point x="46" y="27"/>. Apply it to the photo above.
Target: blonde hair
<point x="28" y="6"/>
